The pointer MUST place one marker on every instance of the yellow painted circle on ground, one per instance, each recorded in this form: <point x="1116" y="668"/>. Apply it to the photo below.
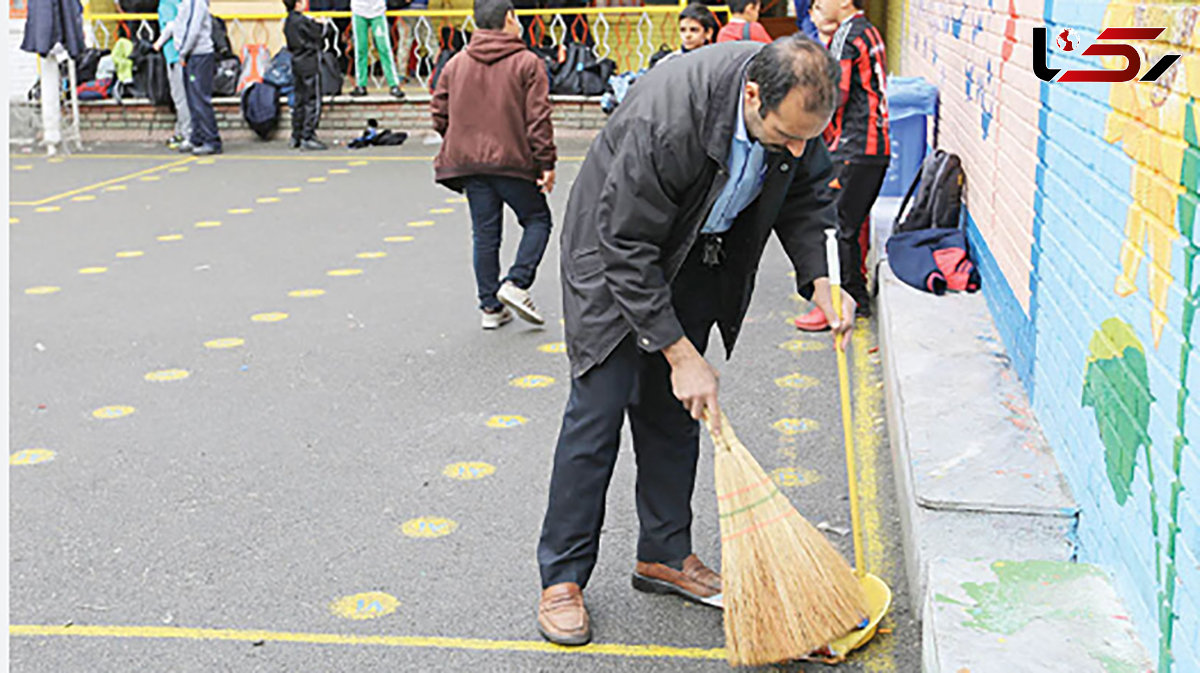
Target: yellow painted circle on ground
<point x="440" y="211"/>
<point x="116" y="188"/>
<point x="224" y="342"/>
<point x="399" y="239"/>
<point x="802" y="346"/>
<point x="428" y="526"/>
<point x="797" y="381"/>
<point x="421" y="223"/>
<point x="267" y="199"/>
<point x="532" y="381"/>
<point x="164" y="375"/>
<point x="269" y="317"/>
<point x="320" y="179"/>
<point x="207" y="162"/>
<point x="554" y="347"/>
<point x="23" y="167"/>
<point x="469" y="471"/>
<point x="31" y="457"/>
<point x="339" y="171"/>
<point x="358" y="163"/>
<point x="170" y="237"/>
<point x="368" y="605"/>
<point x="42" y="289"/>
<point x="343" y="272"/>
<point x="371" y="255"/>
<point x="240" y="211"/>
<point x="150" y="178"/>
<point x="208" y="224"/>
<point x="129" y="254"/>
<point x="289" y="190"/>
<point x="306" y="293"/>
<point x="795" y="426"/>
<point x="84" y="197"/>
<point x="115" y="411"/>
<point x="795" y="476"/>
<point x="49" y="209"/>
<point x="179" y="169"/>
<point x="506" y="421"/>
<point x="89" y="270"/>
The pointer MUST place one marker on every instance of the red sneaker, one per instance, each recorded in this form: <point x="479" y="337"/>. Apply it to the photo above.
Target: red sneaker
<point x="813" y="321"/>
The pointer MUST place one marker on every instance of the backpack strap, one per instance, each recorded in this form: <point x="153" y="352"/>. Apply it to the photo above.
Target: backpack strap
<point x="745" y="30"/>
<point x="912" y="188"/>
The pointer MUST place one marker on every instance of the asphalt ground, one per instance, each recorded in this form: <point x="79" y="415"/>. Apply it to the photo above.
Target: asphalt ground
<point x="246" y="480"/>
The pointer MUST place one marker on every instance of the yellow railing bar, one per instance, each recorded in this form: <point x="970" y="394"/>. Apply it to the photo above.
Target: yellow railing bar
<point x="434" y="13"/>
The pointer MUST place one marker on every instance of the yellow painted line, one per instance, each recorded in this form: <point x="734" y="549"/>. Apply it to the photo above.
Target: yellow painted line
<point x="267" y="199"/>
<point x="208" y="224"/>
<point x="423" y="642"/>
<point x="23" y="167"/>
<point x="421" y="223"/>
<point x="240" y="211"/>
<point x="49" y="209"/>
<point x="91" y="270"/>
<point x="42" y="289"/>
<point x="150" y="178"/>
<point x="316" y="180"/>
<point x="371" y="255"/>
<point x="289" y="190"/>
<point x="84" y="197"/>
<point x="13" y="220"/>
<point x="116" y="188"/>
<point x="129" y="254"/>
<point x="170" y="237"/>
<point x="398" y="239"/>
<point x="179" y="169"/>
<point x="108" y="185"/>
<point x="339" y="171"/>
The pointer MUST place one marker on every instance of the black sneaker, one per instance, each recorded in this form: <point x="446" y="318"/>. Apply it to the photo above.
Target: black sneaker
<point x="294" y="144"/>
<point x="358" y="91"/>
<point x="312" y="145"/>
<point x="397" y="92"/>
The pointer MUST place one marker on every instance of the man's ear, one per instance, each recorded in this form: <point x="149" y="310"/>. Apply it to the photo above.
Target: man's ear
<point x="751" y="93"/>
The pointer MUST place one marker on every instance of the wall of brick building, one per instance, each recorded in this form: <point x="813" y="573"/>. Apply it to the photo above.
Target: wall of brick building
<point x="1082" y="202"/>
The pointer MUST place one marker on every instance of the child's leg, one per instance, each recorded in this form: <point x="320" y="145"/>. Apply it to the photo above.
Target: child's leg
<point x="533" y="213"/>
<point x="383" y="46"/>
<point x="362" y="52"/>
<point x="301" y="96"/>
<point x="487" y="224"/>
<point x="183" y="115"/>
<point x="860" y="186"/>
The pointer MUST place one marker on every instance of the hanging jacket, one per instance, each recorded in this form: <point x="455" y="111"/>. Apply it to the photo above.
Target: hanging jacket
<point x="122" y="58"/>
<point x="49" y="22"/>
<point x="933" y="260"/>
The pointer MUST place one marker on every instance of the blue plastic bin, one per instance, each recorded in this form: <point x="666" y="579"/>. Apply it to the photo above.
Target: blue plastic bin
<point x="910" y="101"/>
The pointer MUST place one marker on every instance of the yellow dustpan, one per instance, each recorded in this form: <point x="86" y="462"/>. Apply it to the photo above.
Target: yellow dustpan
<point x="879" y="595"/>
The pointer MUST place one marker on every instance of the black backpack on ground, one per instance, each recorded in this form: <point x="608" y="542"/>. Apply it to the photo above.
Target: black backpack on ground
<point x="150" y="73"/>
<point x="260" y="108"/>
<point x="939" y="188"/>
<point x="225" y="79"/>
<point x="580" y="73"/>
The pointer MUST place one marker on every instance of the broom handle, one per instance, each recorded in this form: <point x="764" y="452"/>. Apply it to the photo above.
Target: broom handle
<point x="724" y="438"/>
<point x="835" y="291"/>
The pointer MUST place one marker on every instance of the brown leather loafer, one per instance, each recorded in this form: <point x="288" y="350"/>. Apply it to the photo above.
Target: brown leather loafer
<point x="562" y="617"/>
<point x="696" y="582"/>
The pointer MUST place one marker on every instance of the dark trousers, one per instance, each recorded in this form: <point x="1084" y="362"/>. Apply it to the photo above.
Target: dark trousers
<point x="666" y="444"/>
<point x="860" y="183"/>
<point x="306" y="113"/>
<point x="198" y="73"/>
<point x="486" y="197"/>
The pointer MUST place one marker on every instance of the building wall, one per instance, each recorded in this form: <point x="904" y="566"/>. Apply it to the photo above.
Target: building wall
<point x="1082" y="203"/>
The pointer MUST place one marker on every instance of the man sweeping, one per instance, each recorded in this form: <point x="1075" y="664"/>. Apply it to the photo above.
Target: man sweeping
<point x="663" y="234"/>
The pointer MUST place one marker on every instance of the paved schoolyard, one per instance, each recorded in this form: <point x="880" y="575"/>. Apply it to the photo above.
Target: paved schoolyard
<point x="254" y="425"/>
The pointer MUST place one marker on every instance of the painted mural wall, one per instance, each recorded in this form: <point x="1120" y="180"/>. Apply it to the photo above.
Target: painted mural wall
<point x="1082" y="204"/>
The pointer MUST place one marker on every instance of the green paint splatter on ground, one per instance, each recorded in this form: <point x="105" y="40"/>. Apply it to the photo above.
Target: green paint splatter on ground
<point x="1026" y="591"/>
<point x="1117" y="388"/>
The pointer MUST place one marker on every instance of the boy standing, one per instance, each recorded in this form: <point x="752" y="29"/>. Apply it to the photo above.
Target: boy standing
<point x="743" y="23"/>
<point x="858" y="142"/>
<point x="492" y="108"/>
<point x="371" y="26"/>
<point x="191" y="32"/>
<point x="167" y="11"/>
<point x="304" y="42"/>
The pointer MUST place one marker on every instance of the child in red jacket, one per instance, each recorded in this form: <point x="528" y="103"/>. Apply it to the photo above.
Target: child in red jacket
<point x="743" y="23"/>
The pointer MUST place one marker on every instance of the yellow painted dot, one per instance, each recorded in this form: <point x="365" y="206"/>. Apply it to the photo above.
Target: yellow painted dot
<point x="370" y="605"/>
<point x="49" y="209"/>
<point x="208" y="224"/>
<point x="89" y="270"/>
<point x="802" y="346"/>
<point x="358" y="163"/>
<point x="129" y="254"/>
<point x="150" y="178"/>
<point x="555" y="347"/>
<point x="306" y="293"/>
<point x="795" y="476"/>
<point x="267" y="199"/>
<point x="84" y="197"/>
<point x="371" y="255"/>
<point x="399" y="239"/>
<point x="440" y="211"/>
<point x="56" y="160"/>
<point x="112" y="412"/>
<point x="320" y="179"/>
<point x="532" y="381"/>
<point x="31" y="457"/>
<point x="421" y="223"/>
<point x="456" y="199"/>
<point x="179" y="169"/>
<point x="339" y="171"/>
<point x="239" y="211"/>
<point x="116" y="188"/>
<point x="207" y="162"/>
<point x="42" y="289"/>
<point x="506" y="421"/>
<point x="170" y="237"/>
<point x="164" y="375"/>
<point x="269" y="317"/>
<point x="469" y="471"/>
<point x="795" y="426"/>
<point x="428" y="526"/>
<point x="289" y="190"/>
<point x="797" y="381"/>
<point x="343" y="272"/>
<point x="14" y="220"/>
<point x="224" y="342"/>
<point x="23" y="167"/>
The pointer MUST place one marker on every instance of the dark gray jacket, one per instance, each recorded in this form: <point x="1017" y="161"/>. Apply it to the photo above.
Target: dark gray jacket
<point x="644" y="191"/>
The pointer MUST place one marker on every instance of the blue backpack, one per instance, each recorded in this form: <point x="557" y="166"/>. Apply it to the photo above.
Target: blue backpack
<point x="260" y="108"/>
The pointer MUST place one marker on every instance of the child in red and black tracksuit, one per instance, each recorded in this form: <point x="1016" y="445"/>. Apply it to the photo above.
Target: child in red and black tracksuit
<point x="857" y="138"/>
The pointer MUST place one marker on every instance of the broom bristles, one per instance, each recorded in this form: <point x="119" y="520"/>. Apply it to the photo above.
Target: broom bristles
<point x="787" y="591"/>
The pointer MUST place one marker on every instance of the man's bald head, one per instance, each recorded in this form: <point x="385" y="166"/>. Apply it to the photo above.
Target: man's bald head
<point x="795" y="62"/>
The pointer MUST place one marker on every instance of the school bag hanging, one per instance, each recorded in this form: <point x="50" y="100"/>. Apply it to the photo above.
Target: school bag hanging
<point x="256" y="58"/>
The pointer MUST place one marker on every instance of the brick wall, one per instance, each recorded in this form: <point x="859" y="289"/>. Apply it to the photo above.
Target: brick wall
<point x="1082" y="202"/>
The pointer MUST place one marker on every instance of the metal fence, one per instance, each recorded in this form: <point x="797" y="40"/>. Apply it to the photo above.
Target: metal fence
<point x="628" y="35"/>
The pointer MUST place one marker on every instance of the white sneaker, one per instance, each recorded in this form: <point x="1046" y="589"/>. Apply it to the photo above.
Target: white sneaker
<point x="520" y="301"/>
<point x="497" y="319"/>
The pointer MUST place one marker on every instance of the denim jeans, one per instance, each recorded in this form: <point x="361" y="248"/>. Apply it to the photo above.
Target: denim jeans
<point x="486" y="196"/>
